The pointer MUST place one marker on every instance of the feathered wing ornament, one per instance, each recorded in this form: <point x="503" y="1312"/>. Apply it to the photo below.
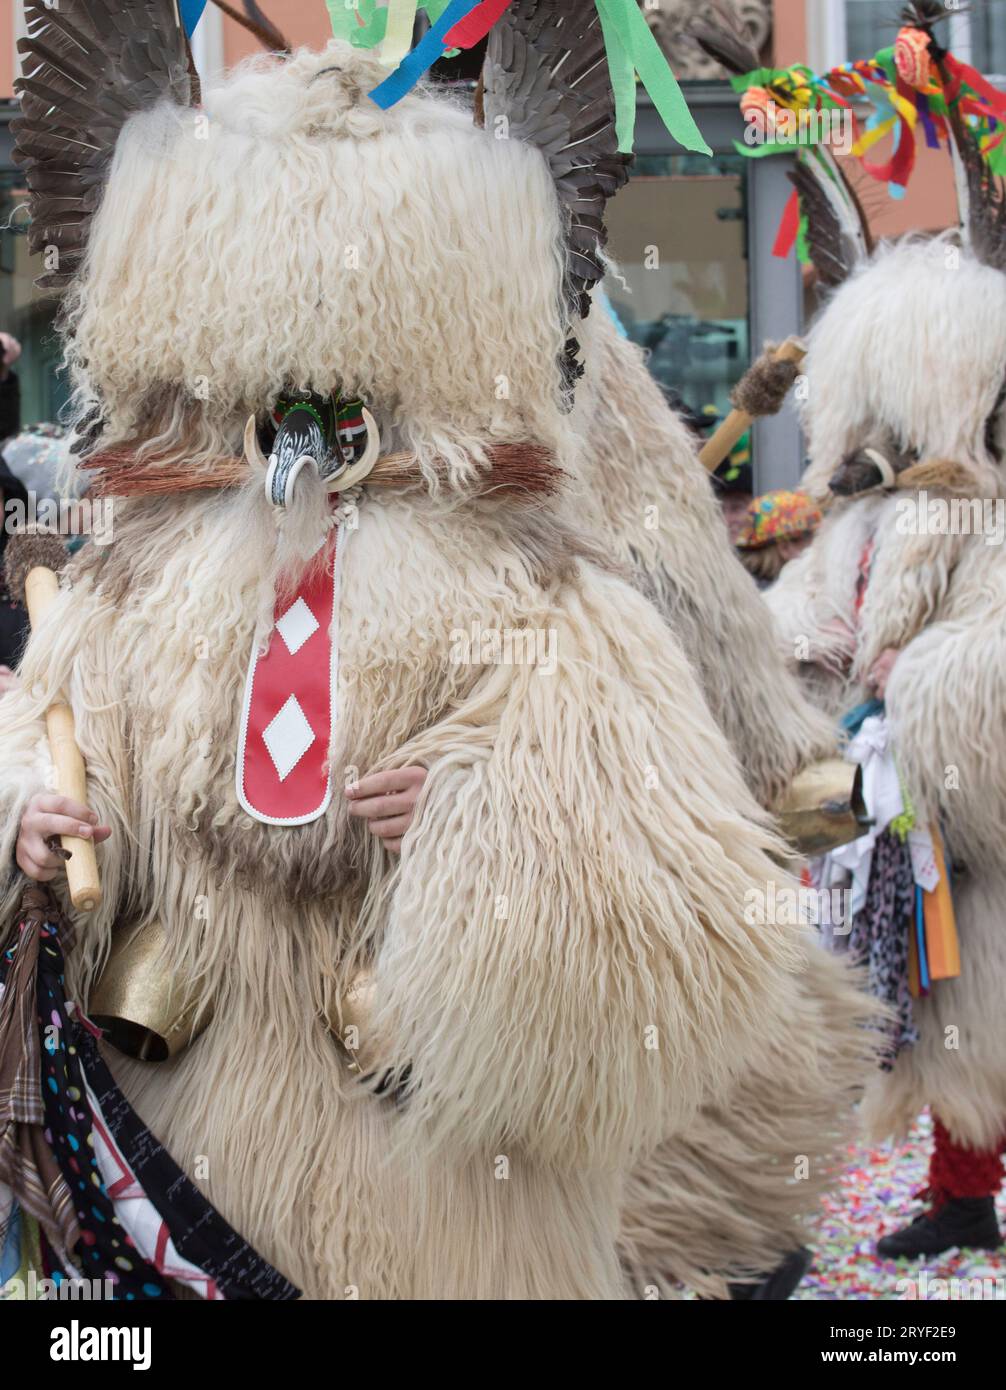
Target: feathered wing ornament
<point x="546" y="76"/>
<point x="981" y="197"/>
<point x="837" y="235"/>
<point x="87" y="65"/>
<point x="718" y="34"/>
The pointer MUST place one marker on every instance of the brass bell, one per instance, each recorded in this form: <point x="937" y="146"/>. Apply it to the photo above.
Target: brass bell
<point x="823" y="807"/>
<point x="350" y="1023"/>
<point x="135" y="1001"/>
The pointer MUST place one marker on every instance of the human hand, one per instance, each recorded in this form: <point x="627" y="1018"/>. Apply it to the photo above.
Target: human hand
<point x="387" y="801"/>
<point x="880" y="672"/>
<point x="47" y="816"/>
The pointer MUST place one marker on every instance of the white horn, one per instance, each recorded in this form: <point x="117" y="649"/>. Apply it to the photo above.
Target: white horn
<point x="360" y="470"/>
<point x="253" y="450"/>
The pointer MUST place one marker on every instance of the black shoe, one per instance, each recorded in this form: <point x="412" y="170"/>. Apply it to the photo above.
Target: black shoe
<point x="778" y="1284"/>
<point x="963" y="1221"/>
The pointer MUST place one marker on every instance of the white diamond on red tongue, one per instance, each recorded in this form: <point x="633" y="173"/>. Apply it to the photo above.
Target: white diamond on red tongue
<point x="283" y="776"/>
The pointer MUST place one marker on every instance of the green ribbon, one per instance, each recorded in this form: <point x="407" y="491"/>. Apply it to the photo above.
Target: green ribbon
<point x="623" y="80"/>
<point x="346" y="17"/>
<point x="343" y="18"/>
<point x="769" y="147"/>
<point x="631" y="46"/>
<point x="398" y="31"/>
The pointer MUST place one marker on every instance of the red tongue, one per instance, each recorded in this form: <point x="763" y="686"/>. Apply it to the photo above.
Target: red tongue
<point x="283" y="777"/>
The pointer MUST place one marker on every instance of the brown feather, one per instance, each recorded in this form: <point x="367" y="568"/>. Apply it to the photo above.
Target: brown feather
<point x="546" y="73"/>
<point x="88" y="65"/>
<point x="831" y="248"/>
<point x="986" y="197"/>
<point x="721" y="35"/>
<point x="258" y="24"/>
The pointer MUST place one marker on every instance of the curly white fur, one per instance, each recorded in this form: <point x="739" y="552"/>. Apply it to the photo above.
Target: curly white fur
<point x="931" y="378"/>
<point x="560" y="957"/>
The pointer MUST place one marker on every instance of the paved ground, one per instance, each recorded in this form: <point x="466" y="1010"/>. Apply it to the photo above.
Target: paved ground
<point x="875" y="1196"/>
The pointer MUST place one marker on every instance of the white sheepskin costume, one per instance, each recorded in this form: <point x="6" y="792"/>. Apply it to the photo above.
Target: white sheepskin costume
<point x="721" y="1199"/>
<point x="914" y="345"/>
<point x="560" y="958"/>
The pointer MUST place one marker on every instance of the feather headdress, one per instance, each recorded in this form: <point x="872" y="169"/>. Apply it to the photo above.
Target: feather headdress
<point x="88" y="66"/>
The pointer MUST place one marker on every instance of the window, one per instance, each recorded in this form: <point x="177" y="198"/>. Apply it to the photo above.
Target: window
<point x="988" y="38"/>
<point x="849" y="29"/>
<point x="679" y="234"/>
<point x="693" y="239"/>
<point x="26" y="312"/>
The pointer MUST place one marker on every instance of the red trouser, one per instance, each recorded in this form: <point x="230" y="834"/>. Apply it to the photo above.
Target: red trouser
<point x="958" y="1171"/>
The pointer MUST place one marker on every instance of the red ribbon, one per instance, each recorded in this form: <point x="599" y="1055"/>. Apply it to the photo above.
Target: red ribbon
<point x="898" y="169"/>
<point x="476" y="24"/>
<point x="789" y="227"/>
<point x="964" y="73"/>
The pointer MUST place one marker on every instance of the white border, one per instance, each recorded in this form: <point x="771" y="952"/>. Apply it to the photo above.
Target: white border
<point x="20" y="26"/>
<point x="341" y="540"/>
<point x="208" y="42"/>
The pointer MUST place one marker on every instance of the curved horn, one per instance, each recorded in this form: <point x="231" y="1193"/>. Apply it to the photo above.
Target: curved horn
<point x="252" y="448"/>
<point x="364" y="466"/>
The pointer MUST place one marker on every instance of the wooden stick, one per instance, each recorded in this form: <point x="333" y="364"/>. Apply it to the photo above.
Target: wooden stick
<point x="41" y="588"/>
<point x="729" y="431"/>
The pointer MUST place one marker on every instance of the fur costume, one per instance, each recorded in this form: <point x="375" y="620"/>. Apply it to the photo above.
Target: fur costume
<point x="560" y="962"/>
<point x="648" y="499"/>
<point x="719" y="1201"/>
<point x="930" y="384"/>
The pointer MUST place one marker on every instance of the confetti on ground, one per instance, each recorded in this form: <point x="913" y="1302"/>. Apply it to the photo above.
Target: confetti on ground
<point x="876" y="1196"/>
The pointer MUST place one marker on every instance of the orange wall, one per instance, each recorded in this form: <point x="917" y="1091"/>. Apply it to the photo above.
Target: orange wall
<point x="300" y="22"/>
<point x="789" y="30"/>
<point x="928" y="205"/>
<point x="7" y="54"/>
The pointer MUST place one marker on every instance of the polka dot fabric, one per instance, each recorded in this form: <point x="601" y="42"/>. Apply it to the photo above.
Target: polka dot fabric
<point x="104" y="1250"/>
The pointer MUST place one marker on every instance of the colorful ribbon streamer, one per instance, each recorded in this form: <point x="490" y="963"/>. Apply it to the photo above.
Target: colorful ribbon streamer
<point x="897" y="109"/>
<point x="398" y="31"/>
<point x="426" y="52"/>
<point x="460" y="24"/>
<point x="191" y="11"/>
<point x="468" y="31"/>
<point x="627" y="30"/>
<point x="362" y="23"/>
<point x="789" y="227"/>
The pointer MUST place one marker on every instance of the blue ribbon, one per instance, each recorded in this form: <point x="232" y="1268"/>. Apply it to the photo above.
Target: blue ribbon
<point x="426" y="52"/>
<point x="191" y="12"/>
<point x="920" y="942"/>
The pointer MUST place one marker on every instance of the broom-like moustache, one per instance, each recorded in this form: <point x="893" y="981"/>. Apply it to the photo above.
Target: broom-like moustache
<point x="511" y="470"/>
